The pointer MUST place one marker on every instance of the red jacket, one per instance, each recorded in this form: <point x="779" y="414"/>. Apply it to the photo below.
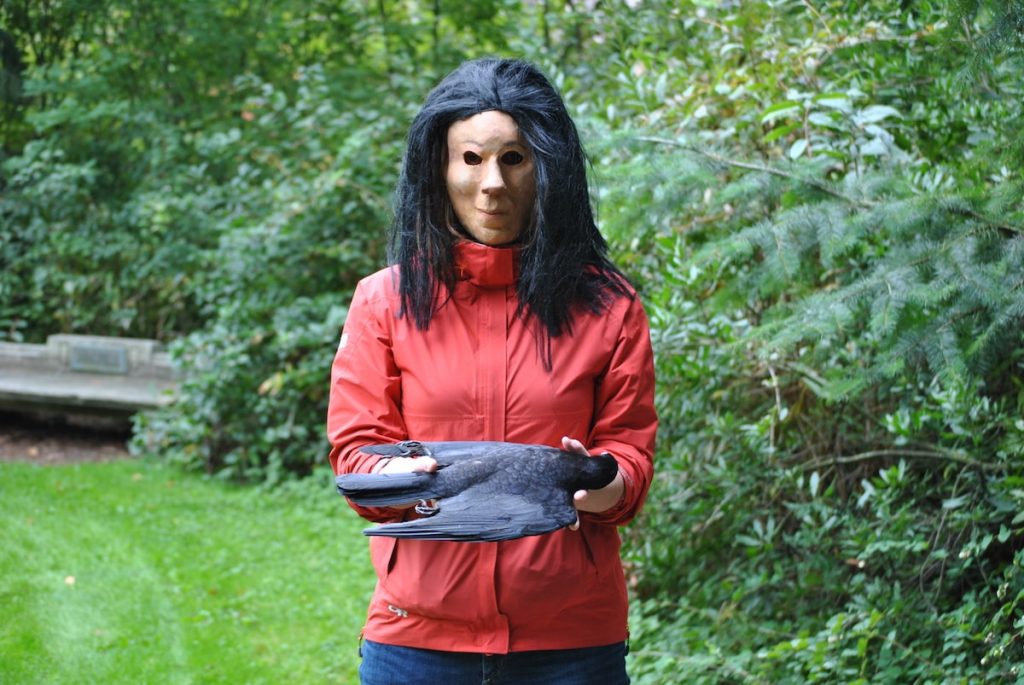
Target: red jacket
<point x="475" y="374"/>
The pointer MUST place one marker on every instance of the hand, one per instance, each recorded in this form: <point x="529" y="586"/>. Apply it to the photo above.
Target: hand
<point x="594" y="501"/>
<point x="388" y="465"/>
<point x="405" y="465"/>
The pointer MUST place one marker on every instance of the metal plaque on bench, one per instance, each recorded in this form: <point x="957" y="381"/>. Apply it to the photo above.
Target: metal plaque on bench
<point x="98" y="359"/>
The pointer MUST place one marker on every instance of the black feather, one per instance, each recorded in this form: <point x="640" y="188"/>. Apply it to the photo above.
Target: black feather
<point x="486" y="491"/>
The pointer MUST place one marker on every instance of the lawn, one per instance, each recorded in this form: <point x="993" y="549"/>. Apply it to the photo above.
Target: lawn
<point x="135" y="572"/>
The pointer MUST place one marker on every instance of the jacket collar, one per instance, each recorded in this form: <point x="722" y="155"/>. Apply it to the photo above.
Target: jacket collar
<point x="485" y="266"/>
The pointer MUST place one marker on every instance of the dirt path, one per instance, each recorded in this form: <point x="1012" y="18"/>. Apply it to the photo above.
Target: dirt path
<point x="22" y="439"/>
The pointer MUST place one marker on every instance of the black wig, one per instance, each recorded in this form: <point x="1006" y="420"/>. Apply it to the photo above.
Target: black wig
<point x="563" y="261"/>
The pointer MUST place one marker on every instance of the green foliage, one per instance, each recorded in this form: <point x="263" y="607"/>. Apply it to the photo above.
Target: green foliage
<point x="187" y="184"/>
<point x="828" y="234"/>
<point x="925" y="280"/>
<point x="257" y="373"/>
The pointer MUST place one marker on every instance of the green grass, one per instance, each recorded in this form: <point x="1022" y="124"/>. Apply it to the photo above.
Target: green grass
<point x="135" y="572"/>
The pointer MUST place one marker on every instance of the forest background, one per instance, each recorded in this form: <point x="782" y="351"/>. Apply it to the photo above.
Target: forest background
<point x="819" y="201"/>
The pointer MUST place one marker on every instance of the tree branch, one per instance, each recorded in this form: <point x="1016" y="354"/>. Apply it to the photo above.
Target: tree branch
<point x="818" y="185"/>
<point x="985" y="220"/>
<point x="910" y="453"/>
<point x="749" y="166"/>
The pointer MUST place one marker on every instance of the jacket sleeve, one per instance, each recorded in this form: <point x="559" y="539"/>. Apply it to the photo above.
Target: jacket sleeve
<point x="365" y="396"/>
<point x="625" y="422"/>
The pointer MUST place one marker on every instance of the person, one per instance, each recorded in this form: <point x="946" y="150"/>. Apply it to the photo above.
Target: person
<point x="501" y="318"/>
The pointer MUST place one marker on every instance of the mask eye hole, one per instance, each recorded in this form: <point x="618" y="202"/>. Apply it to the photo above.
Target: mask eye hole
<point x="512" y="158"/>
<point x="471" y="158"/>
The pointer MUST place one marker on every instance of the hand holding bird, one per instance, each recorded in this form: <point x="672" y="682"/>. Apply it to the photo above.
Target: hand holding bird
<point x="485" y="491"/>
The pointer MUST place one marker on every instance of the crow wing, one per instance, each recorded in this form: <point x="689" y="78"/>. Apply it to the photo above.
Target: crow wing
<point x="468" y="517"/>
<point x="456" y="451"/>
<point x="383" y="490"/>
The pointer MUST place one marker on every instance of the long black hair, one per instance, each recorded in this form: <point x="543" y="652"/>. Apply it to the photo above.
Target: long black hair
<point x="563" y="257"/>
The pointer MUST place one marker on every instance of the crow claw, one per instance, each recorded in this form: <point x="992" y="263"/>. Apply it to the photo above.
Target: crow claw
<point x="425" y="508"/>
<point x="413" y="448"/>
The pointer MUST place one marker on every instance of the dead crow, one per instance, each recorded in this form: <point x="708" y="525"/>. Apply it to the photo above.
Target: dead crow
<point x="485" y="491"/>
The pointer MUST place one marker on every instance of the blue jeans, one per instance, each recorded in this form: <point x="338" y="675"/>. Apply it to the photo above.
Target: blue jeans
<point x="392" y="665"/>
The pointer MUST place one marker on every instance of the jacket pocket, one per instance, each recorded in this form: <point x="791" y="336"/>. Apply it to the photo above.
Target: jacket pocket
<point x="382" y="555"/>
<point x="588" y="548"/>
<point x="439" y="580"/>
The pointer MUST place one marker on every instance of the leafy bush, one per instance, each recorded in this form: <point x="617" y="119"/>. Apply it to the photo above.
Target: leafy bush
<point x="838" y="331"/>
<point x="256" y="376"/>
